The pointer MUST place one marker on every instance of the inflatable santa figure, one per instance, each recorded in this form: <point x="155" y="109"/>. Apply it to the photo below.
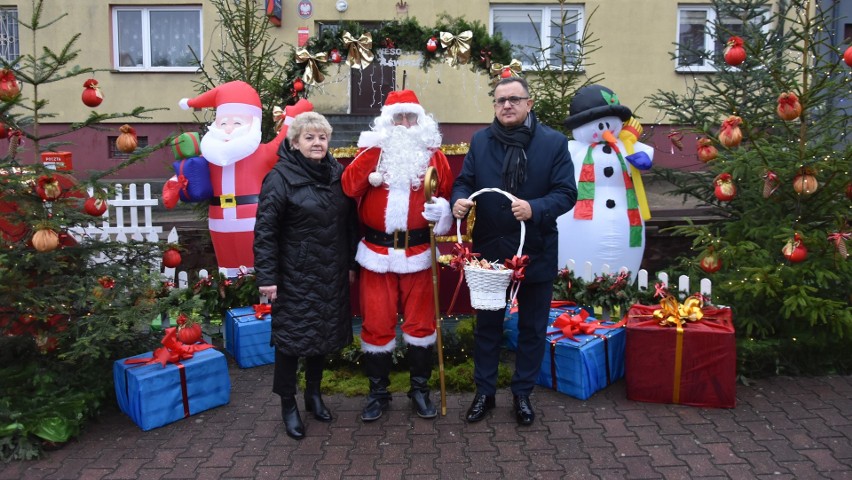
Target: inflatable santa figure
<point x="387" y="177"/>
<point x="606" y="226"/>
<point x="238" y="162"/>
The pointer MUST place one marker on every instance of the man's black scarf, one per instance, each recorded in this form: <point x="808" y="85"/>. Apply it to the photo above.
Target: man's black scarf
<point x="516" y="140"/>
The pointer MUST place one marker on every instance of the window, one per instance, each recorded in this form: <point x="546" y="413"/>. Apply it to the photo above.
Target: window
<point x="114" y="152"/>
<point x="537" y="34"/>
<point x="158" y="38"/>
<point x="9" y="48"/>
<point x="697" y="42"/>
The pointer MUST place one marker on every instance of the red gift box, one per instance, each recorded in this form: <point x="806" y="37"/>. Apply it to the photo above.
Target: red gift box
<point x="689" y="362"/>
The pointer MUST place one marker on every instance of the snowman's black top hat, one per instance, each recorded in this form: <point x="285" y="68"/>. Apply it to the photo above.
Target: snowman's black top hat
<point x="593" y="102"/>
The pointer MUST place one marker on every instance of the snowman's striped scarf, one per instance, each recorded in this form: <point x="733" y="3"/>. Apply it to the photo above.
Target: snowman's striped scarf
<point x="584" y="209"/>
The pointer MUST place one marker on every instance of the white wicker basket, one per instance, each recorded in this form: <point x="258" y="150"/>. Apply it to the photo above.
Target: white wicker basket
<point x="488" y="287"/>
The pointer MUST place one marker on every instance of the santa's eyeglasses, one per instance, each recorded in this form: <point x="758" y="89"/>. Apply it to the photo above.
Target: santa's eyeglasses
<point x="410" y="116"/>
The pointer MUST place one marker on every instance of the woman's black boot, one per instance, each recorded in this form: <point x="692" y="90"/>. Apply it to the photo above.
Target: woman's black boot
<point x="314" y="403"/>
<point x="292" y="421"/>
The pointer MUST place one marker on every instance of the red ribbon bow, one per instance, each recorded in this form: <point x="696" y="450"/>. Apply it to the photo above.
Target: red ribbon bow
<point x="261" y="309"/>
<point x="518" y="265"/>
<point x="172" y="351"/>
<point x="461" y="255"/>
<point x="571" y="325"/>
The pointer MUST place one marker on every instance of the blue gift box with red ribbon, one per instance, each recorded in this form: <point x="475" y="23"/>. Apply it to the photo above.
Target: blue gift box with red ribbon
<point x="248" y="332"/>
<point x="582" y="355"/>
<point x="153" y="395"/>
<point x="510" y="325"/>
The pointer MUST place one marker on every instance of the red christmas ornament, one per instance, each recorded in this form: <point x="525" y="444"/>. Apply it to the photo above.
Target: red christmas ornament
<point x="849" y="191"/>
<point x="795" y="251"/>
<point x="506" y="73"/>
<point x="735" y="54"/>
<point x="171" y="258"/>
<point x="10" y="88"/>
<point x="298" y="85"/>
<point x="710" y="263"/>
<point x="188" y="332"/>
<point x="706" y="151"/>
<point x="48" y="188"/>
<point x="95" y="206"/>
<point x="789" y="107"/>
<point x="92" y="96"/>
<point x="730" y="134"/>
<point x="847" y="56"/>
<point x="431" y="44"/>
<point x="335" y="56"/>
<point x="725" y="189"/>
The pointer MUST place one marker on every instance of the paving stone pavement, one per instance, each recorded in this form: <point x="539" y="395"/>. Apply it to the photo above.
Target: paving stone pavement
<point x="782" y="428"/>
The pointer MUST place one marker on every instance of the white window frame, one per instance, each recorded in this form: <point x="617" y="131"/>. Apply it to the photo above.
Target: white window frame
<point x="549" y="14"/>
<point x="709" y="36"/>
<point x="9" y="34"/>
<point x="146" y="37"/>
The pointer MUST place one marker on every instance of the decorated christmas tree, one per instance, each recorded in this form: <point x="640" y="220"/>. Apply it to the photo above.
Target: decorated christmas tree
<point x="69" y="303"/>
<point x="772" y="123"/>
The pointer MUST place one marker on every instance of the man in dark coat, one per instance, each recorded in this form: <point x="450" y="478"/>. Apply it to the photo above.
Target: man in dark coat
<point x="531" y="162"/>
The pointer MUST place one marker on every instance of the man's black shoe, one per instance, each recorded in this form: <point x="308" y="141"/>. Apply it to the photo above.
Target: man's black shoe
<point x="481" y="405"/>
<point x="524" y="413"/>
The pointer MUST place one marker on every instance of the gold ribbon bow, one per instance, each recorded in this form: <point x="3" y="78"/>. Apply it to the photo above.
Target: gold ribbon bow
<point x="672" y="313"/>
<point x="514" y="66"/>
<point x="457" y="46"/>
<point x="360" y="55"/>
<point x="312" y="75"/>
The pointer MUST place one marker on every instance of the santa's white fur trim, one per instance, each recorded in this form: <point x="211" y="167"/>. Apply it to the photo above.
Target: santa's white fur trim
<point x="391" y="110"/>
<point x="426" y="341"/>
<point x="395" y="261"/>
<point x="238" y="109"/>
<point x="370" y="348"/>
<point x="184" y="103"/>
<point x="446" y="222"/>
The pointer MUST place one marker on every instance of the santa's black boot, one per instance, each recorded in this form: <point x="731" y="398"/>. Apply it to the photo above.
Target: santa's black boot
<point x="420" y="368"/>
<point x="377" y="367"/>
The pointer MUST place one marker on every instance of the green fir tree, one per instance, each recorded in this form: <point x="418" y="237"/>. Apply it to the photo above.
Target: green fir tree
<point x="790" y="312"/>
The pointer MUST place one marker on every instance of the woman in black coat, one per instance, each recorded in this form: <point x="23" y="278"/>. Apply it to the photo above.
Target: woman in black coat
<point x="305" y="240"/>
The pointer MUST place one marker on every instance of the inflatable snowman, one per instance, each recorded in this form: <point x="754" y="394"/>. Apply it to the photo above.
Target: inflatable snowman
<point x="607" y="225"/>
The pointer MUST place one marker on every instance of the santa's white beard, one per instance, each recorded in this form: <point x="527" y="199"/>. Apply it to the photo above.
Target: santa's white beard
<point x="404" y="157"/>
<point x="220" y="148"/>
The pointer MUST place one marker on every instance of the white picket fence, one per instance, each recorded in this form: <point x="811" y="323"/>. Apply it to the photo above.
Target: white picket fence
<point x="684" y="285"/>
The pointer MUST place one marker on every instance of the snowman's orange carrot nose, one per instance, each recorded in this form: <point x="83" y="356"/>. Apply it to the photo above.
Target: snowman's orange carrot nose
<point x="608" y="136"/>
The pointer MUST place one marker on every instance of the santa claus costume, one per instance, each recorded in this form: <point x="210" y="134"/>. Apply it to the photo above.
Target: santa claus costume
<point x="386" y="176"/>
<point x="238" y="163"/>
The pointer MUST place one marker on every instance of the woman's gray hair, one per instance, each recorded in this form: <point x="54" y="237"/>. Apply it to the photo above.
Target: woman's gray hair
<point x="308" y="121"/>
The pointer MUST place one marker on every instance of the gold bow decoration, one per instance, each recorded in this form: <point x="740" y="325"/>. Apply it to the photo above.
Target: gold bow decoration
<point x="515" y="68"/>
<point x="457" y="47"/>
<point x="312" y="75"/>
<point x="673" y="313"/>
<point x="360" y="50"/>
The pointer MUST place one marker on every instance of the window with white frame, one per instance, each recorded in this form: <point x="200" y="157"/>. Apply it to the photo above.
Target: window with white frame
<point x="696" y="37"/>
<point x="543" y="35"/>
<point x="9" y="46"/>
<point x="156" y="38"/>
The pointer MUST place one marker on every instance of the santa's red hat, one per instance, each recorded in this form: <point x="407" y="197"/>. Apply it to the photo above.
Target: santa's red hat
<point x="229" y="98"/>
<point x="402" y="101"/>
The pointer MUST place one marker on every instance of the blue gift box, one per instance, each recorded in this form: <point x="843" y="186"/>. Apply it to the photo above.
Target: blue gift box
<point x="247" y="337"/>
<point x="510" y="325"/>
<point x="153" y="395"/>
<point x="581" y="368"/>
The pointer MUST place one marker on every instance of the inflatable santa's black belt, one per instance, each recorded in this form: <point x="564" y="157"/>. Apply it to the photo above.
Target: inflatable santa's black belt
<point x="230" y="201"/>
<point x="398" y="239"/>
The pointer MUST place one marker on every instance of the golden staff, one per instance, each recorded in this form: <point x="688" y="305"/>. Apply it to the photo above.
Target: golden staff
<point x="430" y="184"/>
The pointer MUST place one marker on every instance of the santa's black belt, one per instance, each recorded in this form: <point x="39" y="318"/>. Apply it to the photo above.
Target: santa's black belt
<point x="398" y="239"/>
<point x="231" y="201"/>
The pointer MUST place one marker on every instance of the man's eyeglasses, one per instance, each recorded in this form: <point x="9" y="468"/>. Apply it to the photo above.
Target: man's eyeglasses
<point x="410" y="116"/>
<point x="512" y="100"/>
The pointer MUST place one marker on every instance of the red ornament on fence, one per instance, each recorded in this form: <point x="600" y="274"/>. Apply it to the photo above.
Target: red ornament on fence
<point x="171" y="258"/>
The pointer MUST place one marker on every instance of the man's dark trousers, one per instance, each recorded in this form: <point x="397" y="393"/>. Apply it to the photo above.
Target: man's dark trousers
<point x="533" y="314"/>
